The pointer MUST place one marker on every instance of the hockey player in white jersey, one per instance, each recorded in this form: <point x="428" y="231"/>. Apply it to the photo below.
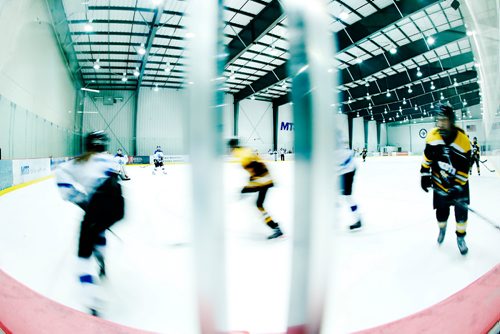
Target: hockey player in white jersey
<point x="158" y="158"/>
<point x="346" y="168"/>
<point x="91" y="182"/>
<point x="122" y="159"/>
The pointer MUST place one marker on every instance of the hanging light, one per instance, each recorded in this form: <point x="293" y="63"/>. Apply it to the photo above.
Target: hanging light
<point x="464" y="102"/>
<point x="430" y="40"/>
<point x="432" y="85"/>
<point x="388" y="94"/>
<point x="370" y="106"/>
<point x="156" y="88"/>
<point x="455" y="83"/>
<point x="349" y="100"/>
<point x="416" y="107"/>
<point x="367" y="96"/>
<point x="393" y="50"/>
<point x="410" y="90"/>
<point x="88" y="27"/>
<point x="385" y="111"/>
<point x="136" y="72"/>
<point x="419" y="73"/>
<point x="141" y="50"/>
<point x="404" y="100"/>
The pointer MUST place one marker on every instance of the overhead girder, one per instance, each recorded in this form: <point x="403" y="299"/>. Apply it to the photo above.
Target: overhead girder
<point x="351" y="35"/>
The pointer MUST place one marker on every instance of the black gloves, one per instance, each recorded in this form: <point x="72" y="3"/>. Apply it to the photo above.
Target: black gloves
<point x="425" y="182"/>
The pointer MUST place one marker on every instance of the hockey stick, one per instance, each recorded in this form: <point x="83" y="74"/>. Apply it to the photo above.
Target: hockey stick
<point x="483" y="161"/>
<point x="467" y="207"/>
<point x="491" y="170"/>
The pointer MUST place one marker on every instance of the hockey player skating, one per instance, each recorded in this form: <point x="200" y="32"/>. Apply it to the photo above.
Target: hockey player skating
<point x="346" y="171"/>
<point x="122" y="159"/>
<point x="260" y="181"/>
<point x="158" y="158"/>
<point x="363" y="154"/>
<point x="91" y="182"/>
<point x="445" y="167"/>
<point x="476" y="156"/>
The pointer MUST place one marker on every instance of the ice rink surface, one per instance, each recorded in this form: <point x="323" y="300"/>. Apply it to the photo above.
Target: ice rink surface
<point x="390" y="269"/>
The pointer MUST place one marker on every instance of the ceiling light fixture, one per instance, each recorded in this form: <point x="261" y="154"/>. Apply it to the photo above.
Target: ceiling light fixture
<point x="156" y="88"/>
<point x="410" y="90"/>
<point x="455" y="83"/>
<point x="90" y="90"/>
<point x="432" y="85"/>
<point x="393" y="50"/>
<point x="388" y="94"/>
<point x="343" y="15"/>
<point x="141" y="50"/>
<point x="88" y="27"/>
<point x="136" y="72"/>
<point x="97" y="66"/>
<point x="430" y="40"/>
<point x="359" y="60"/>
<point x="419" y="73"/>
<point x="404" y="100"/>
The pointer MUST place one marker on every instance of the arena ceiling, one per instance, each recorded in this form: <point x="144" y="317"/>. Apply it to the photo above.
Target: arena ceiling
<point x="397" y="59"/>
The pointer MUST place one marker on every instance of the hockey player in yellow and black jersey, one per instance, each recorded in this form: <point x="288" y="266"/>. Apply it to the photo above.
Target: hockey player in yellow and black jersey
<point x="445" y="167"/>
<point x="260" y="181"/>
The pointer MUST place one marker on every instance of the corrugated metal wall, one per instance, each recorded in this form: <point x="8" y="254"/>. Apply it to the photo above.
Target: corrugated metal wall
<point x="116" y="119"/>
<point x="160" y="121"/>
<point x="255" y="123"/>
<point x="24" y="134"/>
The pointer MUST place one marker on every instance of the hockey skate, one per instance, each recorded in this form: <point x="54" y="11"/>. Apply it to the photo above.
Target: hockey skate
<point x="356" y="226"/>
<point x="462" y="246"/>
<point x="277" y="233"/>
<point x="442" y="232"/>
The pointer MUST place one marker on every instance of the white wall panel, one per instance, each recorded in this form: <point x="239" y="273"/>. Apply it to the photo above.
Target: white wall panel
<point x="372" y="136"/>
<point x="399" y="136"/>
<point x="116" y="119"/>
<point x="255" y="124"/>
<point x="411" y="138"/>
<point x="286" y="130"/>
<point x="358" y="133"/>
<point x="342" y="123"/>
<point x="383" y="135"/>
<point x="33" y="74"/>
<point x="160" y="121"/>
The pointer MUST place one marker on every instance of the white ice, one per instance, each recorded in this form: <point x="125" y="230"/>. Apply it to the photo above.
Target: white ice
<point x="390" y="269"/>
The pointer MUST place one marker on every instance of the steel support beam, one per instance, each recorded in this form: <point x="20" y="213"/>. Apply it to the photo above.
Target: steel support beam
<point x="351" y="35"/>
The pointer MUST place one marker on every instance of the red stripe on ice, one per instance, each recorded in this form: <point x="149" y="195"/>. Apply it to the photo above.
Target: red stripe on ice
<point x="475" y="309"/>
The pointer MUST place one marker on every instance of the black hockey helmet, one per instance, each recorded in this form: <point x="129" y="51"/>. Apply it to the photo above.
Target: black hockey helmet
<point x="233" y="142"/>
<point x="446" y="111"/>
<point x="96" y="141"/>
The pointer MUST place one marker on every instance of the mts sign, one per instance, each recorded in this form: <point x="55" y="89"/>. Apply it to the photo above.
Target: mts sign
<point x="286" y="126"/>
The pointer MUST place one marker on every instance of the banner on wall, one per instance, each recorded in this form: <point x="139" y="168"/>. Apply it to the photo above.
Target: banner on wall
<point x="54" y="162"/>
<point x="140" y="159"/>
<point x="5" y="174"/>
<point x="29" y="169"/>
